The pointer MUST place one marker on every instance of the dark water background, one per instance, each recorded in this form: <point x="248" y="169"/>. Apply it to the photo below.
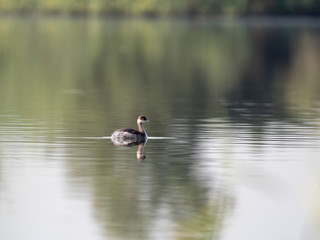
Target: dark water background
<point x="234" y="109"/>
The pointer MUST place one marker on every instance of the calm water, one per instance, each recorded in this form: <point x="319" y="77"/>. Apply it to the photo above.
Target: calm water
<point x="234" y="110"/>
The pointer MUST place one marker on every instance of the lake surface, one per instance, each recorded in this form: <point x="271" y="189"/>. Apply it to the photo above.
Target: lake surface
<point x="234" y="111"/>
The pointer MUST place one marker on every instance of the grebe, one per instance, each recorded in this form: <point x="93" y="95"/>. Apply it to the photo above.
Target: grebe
<point x="125" y="136"/>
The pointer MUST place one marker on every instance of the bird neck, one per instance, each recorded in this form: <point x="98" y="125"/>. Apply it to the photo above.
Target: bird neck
<point x="141" y="129"/>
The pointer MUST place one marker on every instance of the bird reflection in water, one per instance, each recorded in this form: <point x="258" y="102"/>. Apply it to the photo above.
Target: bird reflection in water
<point x="141" y="155"/>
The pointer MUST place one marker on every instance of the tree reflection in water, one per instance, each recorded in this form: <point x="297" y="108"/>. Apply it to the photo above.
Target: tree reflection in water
<point x="134" y="201"/>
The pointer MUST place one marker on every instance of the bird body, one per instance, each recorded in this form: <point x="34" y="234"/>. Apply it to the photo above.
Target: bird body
<point x="127" y="136"/>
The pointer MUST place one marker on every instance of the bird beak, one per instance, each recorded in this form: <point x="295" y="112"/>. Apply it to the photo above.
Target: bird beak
<point x="147" y="121"/>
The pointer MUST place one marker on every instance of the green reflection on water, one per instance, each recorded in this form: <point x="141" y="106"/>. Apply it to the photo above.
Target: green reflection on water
<point x="89" y="74"/>
<point x="125" y="67"/>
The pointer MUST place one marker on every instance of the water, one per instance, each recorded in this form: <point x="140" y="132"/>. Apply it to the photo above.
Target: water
<point x="234" y="133"/>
